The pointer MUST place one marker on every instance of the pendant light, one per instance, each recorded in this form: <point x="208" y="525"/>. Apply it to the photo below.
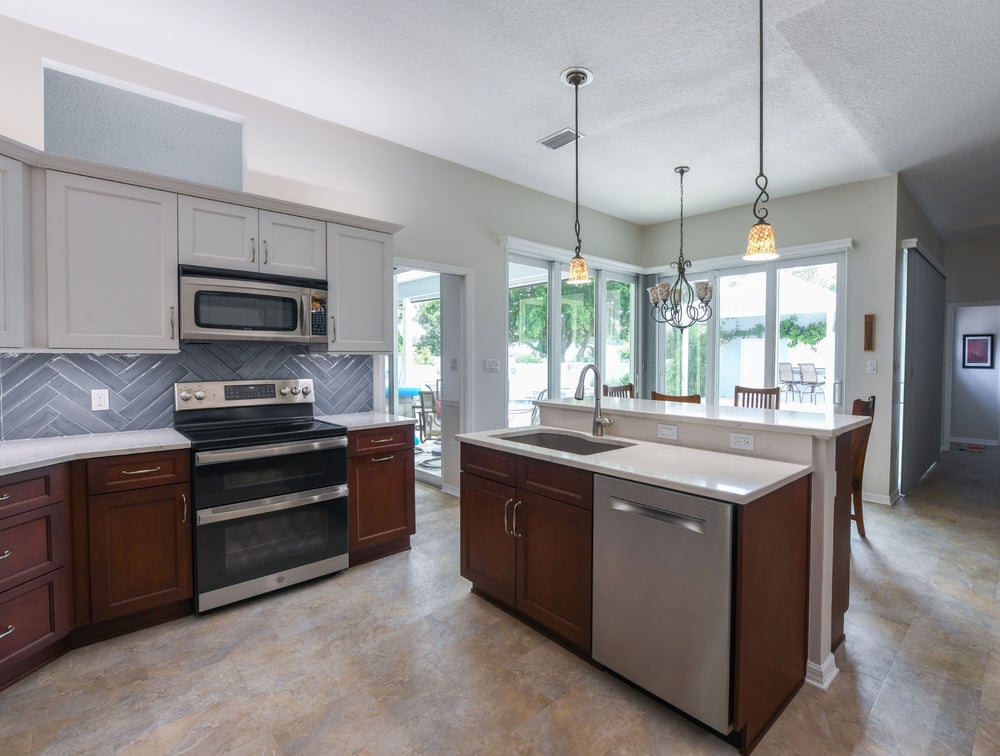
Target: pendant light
<point x="760" y="240"/>
<point x="680" y="304"/>
<point x="576" y="78"/>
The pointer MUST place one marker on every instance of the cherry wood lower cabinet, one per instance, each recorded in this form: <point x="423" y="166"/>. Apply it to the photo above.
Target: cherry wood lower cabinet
<point x="34" y="587"/>
<point x="381" y="499"/>
<point x="528" y="551"/>
<point x="133" y="533"/>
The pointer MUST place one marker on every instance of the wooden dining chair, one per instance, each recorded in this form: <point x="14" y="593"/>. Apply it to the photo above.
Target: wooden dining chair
<point x="859" y="447"/>
<point x="760" y="398"/>
<point x="691" y="398"/>
<point x="626" y="390"/>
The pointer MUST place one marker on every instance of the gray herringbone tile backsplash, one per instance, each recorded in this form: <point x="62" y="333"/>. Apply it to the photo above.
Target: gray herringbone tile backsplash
<point x="49" y="394"/>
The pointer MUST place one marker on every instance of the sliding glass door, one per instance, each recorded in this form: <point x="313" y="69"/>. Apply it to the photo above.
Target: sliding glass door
<point x="527" y="338"/>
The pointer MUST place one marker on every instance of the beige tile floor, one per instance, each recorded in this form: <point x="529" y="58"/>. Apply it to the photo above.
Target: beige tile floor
<point x="397" y="656"/>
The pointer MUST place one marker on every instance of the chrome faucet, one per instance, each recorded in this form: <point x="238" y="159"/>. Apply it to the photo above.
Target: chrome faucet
<point x="600" y="423"/>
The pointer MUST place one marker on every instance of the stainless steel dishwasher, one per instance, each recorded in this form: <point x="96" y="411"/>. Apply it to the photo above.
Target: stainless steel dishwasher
<point x="662" y="608"/>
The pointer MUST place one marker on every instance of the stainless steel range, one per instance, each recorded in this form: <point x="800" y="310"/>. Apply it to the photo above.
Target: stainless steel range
<point x="269" y="487"/>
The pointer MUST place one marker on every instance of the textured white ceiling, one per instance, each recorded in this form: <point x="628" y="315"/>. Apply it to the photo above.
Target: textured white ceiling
<point x="853" y="90"/>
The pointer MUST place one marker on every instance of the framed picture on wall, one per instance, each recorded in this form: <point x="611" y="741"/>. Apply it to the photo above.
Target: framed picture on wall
<point x="977" y="350"/>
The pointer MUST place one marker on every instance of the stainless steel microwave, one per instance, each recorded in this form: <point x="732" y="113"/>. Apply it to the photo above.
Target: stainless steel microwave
<point x="231" y="308"/>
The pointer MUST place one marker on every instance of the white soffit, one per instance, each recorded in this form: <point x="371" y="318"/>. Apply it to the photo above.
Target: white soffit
<point x="853" y="90"/>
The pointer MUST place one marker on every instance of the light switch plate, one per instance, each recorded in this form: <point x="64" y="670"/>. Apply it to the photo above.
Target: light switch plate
<point x="872" y="366"/>
<point x="491" y="366"/>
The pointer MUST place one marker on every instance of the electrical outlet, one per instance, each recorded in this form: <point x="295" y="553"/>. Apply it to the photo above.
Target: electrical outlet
<point x="741" y="441"/>
<point x="666" y="431"/>
<point x="491" y="366"/>
<point x="99" y="400"/>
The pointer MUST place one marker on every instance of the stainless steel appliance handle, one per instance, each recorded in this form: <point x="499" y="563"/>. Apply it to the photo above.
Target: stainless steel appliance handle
<point x="10" y="629"/>
<point x="267" y="450"/>
<point x="6" y="553"/>
<point x="264" y="506"/>
<point x="141" y="472"/>
<point x="253" y="249"/>
<point x="693" y="524"/>
<point x="513" y="522"/>
<point x="505" y="505"/>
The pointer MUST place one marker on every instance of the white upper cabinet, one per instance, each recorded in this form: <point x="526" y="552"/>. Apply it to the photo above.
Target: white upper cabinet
<point x="222" y="235"/>
<point x="112" y="265"/>
<point x="359" y="264"/>
<point x="12" y="305"/>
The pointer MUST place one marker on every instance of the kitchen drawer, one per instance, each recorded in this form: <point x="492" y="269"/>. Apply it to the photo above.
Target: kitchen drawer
<point x="32" y="544"/>
<point x="375" y="440"/>
<point x="560" y="482"/>
<point x="131" y="471"/>
<point x="24" y="491"/>
<point x="489" y="463"/>
<point x="32" y="616"/>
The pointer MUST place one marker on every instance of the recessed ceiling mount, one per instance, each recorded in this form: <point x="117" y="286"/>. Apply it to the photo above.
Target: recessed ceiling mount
<point x="576" y="76"/>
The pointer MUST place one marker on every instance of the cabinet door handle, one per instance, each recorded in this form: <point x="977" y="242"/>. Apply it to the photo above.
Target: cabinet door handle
<point x="505" y="505"/>
<point x="384" y="459"/>
<point x="171" y="321"/>
<point x="253" y="249"/>
<point x="4" y="497"/>
<point x="333" y="318"/>
<point x="264" y="242"/>
<point x="6" y="553"/>
<point x="141" y="472"/>
<point x="513" y="524"/>
<point x="184" y="498"/>
<point x="10" y="629"/>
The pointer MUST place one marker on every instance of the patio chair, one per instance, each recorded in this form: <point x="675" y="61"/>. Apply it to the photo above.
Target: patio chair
<point x="810" y="381"/>
<point x="430" y="420"/>
<point x="787" y="380"/>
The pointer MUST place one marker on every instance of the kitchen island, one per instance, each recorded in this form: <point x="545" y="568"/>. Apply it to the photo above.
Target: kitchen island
<point x="819" y="440"/>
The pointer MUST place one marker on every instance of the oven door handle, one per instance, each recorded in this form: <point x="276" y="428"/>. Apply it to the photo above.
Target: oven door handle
<point x="265" y="506"/>
<point x="267" y="450"/>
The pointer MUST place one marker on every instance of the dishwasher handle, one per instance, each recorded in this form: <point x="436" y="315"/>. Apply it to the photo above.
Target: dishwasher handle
<point x="685" y="522"/>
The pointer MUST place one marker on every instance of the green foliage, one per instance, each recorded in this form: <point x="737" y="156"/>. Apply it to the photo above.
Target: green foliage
<point x="729" y="331"/>
<point x="427" y="348"/>
<point x="810" y="335"/>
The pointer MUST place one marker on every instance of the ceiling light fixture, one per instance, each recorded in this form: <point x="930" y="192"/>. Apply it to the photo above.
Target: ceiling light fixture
<point x="680" y="304"/>
<point x="576" y="78"/>
<point x="760" y="240"/>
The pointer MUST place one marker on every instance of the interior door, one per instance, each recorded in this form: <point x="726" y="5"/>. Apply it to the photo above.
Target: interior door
<point x="921" y="360"/>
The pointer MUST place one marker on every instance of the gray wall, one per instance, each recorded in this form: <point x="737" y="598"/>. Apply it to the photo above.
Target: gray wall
<point x="105" y="124"/>
<point x="45" y="395"/>
<point x="975" y="392"/>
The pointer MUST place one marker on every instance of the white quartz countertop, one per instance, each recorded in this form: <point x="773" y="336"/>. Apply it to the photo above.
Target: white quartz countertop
<point x="31" y="453"/>
<point x="817" y="424"/>
<point x="361" y="420"/>
<point x="728" y="477"/>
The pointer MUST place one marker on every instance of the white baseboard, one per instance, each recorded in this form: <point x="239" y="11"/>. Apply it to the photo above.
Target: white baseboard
<point x="450" y="490"/>
<point x="981" y="441"/>
<point x="879" y="498"/>
<point x="822" y="676"/>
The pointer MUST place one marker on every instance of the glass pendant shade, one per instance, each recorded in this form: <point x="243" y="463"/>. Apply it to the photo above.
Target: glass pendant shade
<point x="578" y="273"/>
<point x="760" y="243"/>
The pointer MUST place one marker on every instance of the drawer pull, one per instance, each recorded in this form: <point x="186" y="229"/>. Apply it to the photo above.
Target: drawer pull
<point x="10" y="629"/>
<point x="4" y="497"/>
<point x="141" y="472"/>
<point x="382" y="440"/>
<point x="6" y="553"/>
<point x="384" y="459"/>
<point x="184" y="498"/>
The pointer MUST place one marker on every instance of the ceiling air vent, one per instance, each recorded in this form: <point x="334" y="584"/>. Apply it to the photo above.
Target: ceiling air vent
<point x="560" y="138"/>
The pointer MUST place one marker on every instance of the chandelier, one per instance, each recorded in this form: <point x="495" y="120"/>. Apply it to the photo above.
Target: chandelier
<point x="760" y="240"/>
<point x="681" y="304"/>
<point x="576" y="78"/>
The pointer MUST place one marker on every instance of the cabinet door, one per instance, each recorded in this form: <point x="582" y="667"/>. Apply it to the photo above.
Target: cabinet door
<point x="381" y="499"/>
<point x="487" y="551"/>
<point x="554" y="565"/>
<point x="292" y="246"/>
<point x="11" y="253"/>
<point x="140" y="550"/>
<point x="359" y="268"/>
<point x="112" y="265"/>
<point x="217" y="234"/>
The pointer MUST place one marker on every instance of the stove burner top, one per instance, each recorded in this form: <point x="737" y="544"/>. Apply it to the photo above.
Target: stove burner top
<point x="227" y="436"/>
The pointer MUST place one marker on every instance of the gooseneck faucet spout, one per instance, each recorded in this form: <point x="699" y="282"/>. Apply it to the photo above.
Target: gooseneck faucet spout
<point x="600" y="423"/>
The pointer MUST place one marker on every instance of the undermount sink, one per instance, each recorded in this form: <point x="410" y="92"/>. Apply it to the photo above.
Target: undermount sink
<point x="565" y="442"/>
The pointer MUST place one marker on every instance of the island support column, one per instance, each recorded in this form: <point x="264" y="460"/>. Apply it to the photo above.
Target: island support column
<point x="821" y="669"/>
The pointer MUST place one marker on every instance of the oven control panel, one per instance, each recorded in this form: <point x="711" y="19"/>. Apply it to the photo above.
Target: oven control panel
<point x="215" y="394"/>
